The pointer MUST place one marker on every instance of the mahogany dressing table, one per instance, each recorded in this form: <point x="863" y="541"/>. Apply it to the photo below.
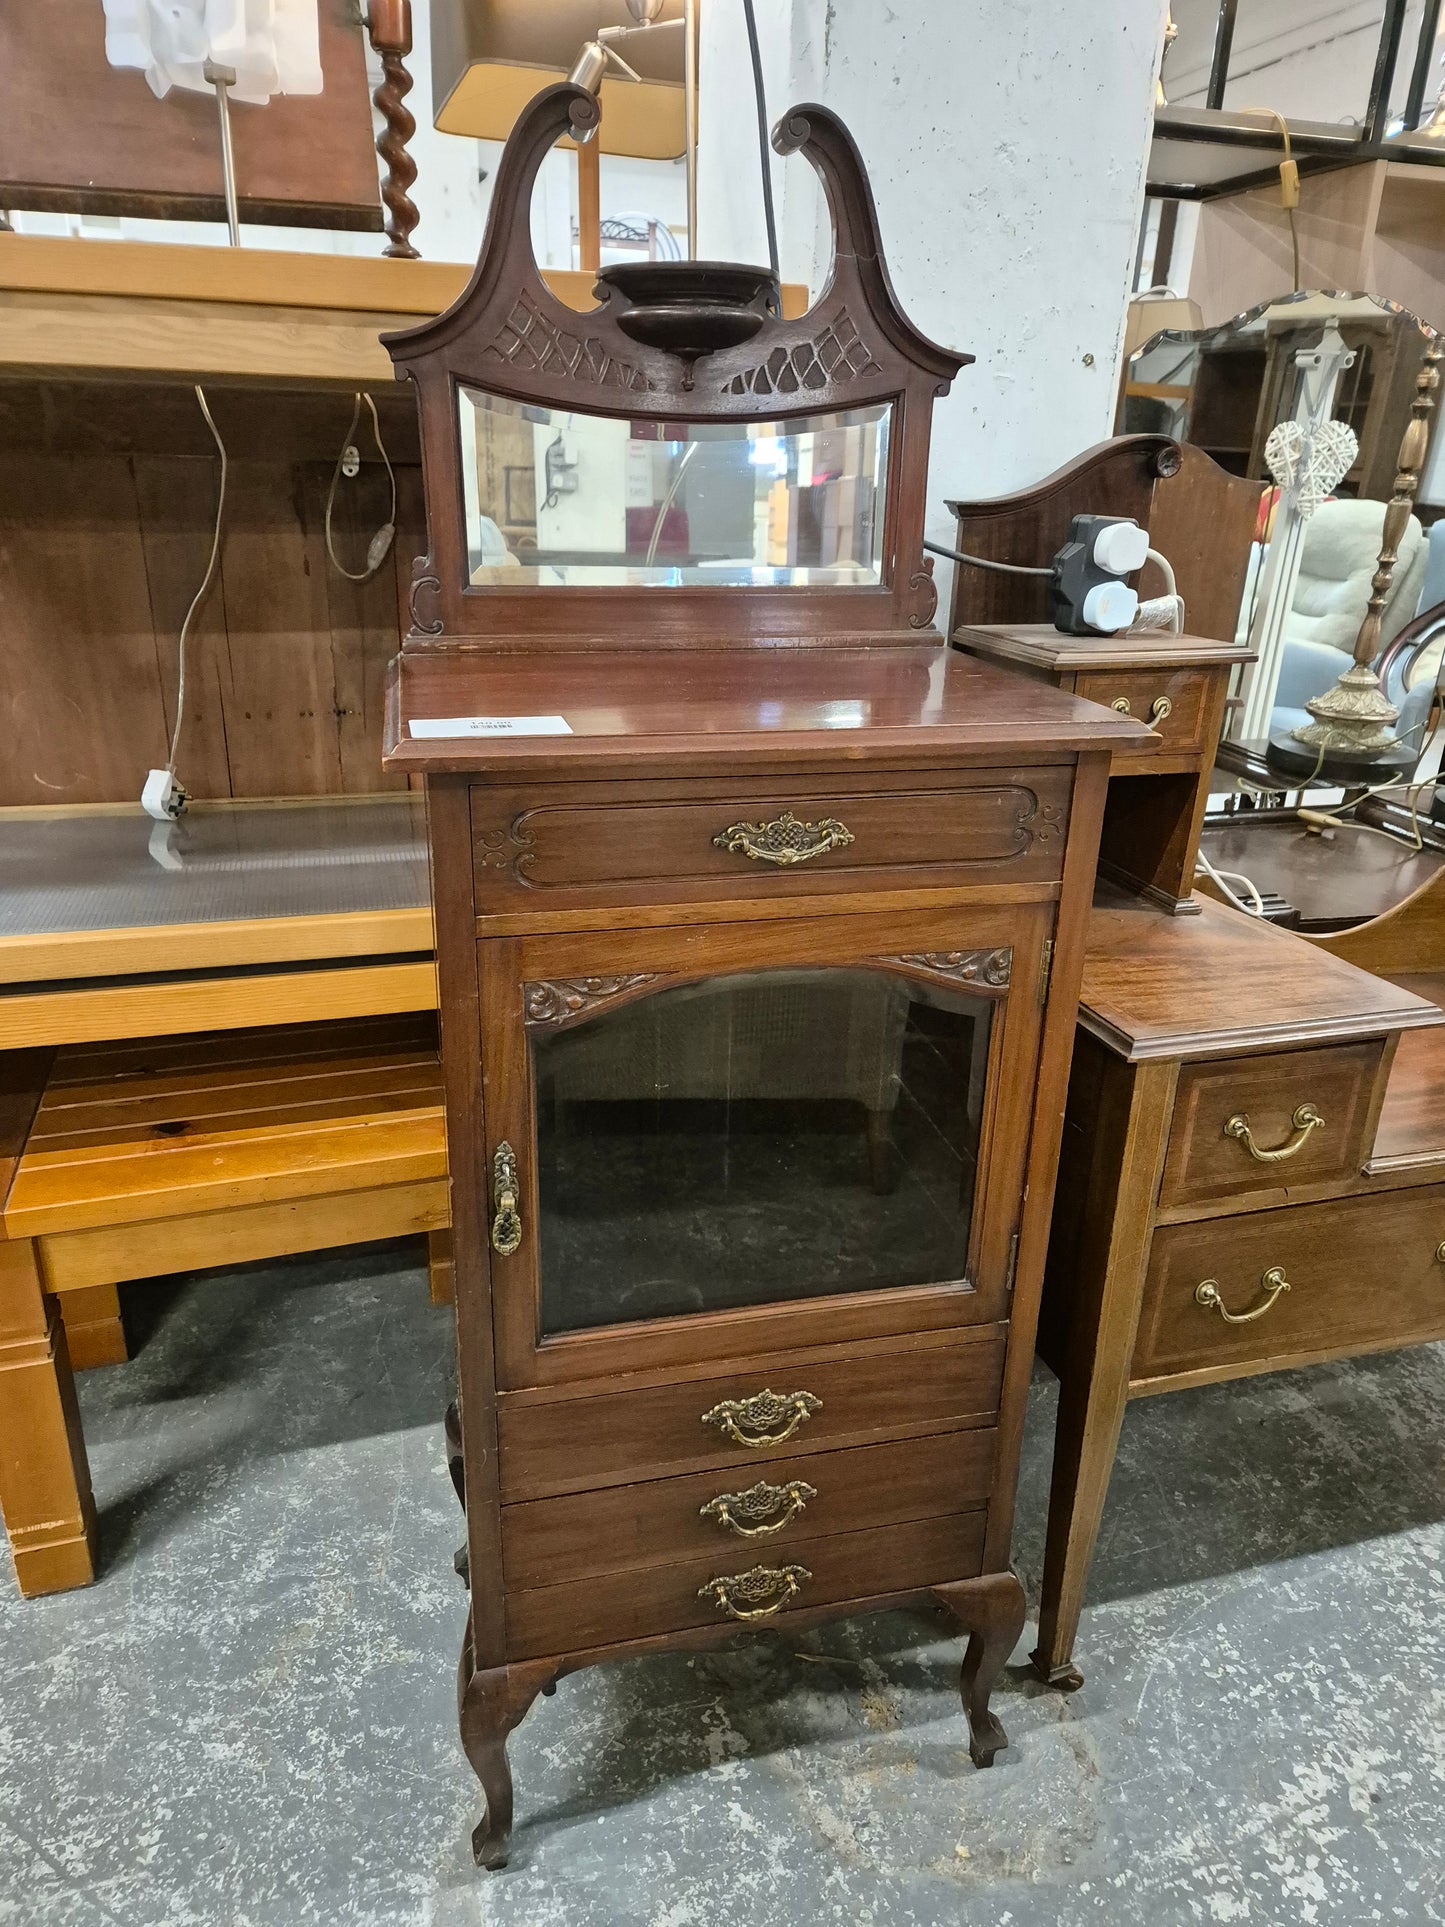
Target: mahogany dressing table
<point x="759" y="920"/>
<point x="1252" y="1174"/>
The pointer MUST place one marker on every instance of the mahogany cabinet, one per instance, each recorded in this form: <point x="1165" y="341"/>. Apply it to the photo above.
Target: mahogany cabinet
<point x="759" y="926"/>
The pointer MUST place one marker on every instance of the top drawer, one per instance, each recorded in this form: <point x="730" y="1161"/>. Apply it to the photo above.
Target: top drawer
<point x="614" y="843"/>
<point x="1244" y="1125"/>
<point x="1173" y="702"/>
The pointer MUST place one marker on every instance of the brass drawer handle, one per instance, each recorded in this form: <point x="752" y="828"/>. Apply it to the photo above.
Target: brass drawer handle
<point x="1306" y="1119"/>
<point x="784" y="839"/>
<point x="1207" y="1294"/>
<point x="754" y="1421"/>
<point x="766" y="1508"/>
<point x="507" y="1224"/>
<point x="1161" y="707"/>
<point x="738" y="1593"/>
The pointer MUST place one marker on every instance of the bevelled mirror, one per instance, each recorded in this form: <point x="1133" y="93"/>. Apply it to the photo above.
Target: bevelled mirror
<point x="1310" y="396"/>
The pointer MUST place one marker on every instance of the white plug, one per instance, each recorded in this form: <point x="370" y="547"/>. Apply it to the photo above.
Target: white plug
<point x="1110" y="606"/>
<point x="163" y="797"/>
<point x="1121" y="548"/>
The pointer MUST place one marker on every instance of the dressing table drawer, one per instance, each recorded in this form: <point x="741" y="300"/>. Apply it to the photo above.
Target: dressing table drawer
<point x="576" y="1444"/>
<point x="1249" y="1124"/>
<point x="1173" y="702"/>
<point x="1301" y="1281"/>
<point x="629" y="843"/>
<point x="760" y="1510"/>
<point x="642" y="1603"/>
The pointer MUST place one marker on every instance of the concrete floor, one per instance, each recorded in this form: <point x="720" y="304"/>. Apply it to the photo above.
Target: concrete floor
<point x="250" y="1719"/>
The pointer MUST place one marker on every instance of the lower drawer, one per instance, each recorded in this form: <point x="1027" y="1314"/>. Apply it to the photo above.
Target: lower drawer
<point x="617" y="1607"/>
<point x="1361" y="1273"/>
<point x="755" y="1511"/>
<point x="769" y="1410"/>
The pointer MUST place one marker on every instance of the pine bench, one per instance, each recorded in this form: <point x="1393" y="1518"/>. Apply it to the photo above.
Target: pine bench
<point x="127" y="1159"/>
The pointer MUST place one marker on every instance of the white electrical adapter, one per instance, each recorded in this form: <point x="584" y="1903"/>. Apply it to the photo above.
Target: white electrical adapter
<point x="163" y="797"/>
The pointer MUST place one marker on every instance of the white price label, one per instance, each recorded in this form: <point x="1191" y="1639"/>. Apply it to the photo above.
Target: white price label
<point x="444" y="726"/>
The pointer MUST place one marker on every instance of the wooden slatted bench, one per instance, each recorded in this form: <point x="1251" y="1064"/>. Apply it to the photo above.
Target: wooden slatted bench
<point x="125" y="1160"/>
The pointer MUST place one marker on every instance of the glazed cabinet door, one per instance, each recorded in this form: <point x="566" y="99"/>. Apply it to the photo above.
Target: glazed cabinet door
<point x="719" y="1140"/>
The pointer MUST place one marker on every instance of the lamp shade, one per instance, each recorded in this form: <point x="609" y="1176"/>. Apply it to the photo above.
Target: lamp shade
<point x="489" y="57"/>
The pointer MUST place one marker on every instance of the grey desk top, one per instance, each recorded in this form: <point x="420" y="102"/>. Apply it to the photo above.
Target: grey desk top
<point x="81" y="871"/>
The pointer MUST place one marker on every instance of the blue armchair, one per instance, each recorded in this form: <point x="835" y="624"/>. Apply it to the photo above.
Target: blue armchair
<point x="1341" y="546"/>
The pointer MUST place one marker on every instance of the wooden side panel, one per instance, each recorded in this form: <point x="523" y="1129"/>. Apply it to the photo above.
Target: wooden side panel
<point x="1203" y="520"/>
<point x="100" y="555"/>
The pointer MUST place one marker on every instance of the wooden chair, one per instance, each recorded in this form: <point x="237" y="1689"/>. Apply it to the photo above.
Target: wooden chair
<point x="122" y="1160"/>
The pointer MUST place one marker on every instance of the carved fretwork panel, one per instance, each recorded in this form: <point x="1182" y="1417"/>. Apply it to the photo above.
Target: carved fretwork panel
<point x="832" y="359"/>
<point x="561" y="1001"/>
<point x="531" y="341"/>
<point x="986" y="969"/>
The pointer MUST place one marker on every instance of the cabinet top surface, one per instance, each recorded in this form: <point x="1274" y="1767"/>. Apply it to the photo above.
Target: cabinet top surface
<point x="677" y="711"/>
<point x="1156" y="985"/>
<point x="1040" y="644"/>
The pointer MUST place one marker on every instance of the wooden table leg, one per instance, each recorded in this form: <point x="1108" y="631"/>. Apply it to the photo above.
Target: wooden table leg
<point x="94" y="1333"/>
<point x="1127" y="1157"/>
<point x="439" y="1266"/>
<point x="44" y="1477"/>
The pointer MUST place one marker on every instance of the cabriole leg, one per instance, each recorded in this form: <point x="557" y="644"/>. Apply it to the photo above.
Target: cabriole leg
<point x="489" y="1704"/>
<point x="991" y="1610"/>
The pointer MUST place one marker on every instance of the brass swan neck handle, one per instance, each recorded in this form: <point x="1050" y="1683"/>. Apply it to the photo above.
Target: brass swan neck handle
<point x="1274" y="1283"/>
<point x="1306" y="1119"/>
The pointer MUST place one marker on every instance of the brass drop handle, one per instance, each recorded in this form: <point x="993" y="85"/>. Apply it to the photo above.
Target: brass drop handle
<point x="1207" y="1294"/>
<point x="784" y="839"/>
<point x="1161" y="707"/>
<point x="740" y="1594"/>
<point x="767" y="1418"/>
<point x="1306" y="1119"/>
<point x="765" y="1508"/>
<point x="507" y="1223"/>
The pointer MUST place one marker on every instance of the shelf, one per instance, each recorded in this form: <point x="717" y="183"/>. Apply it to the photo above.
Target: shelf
<point x="147" y="307"/>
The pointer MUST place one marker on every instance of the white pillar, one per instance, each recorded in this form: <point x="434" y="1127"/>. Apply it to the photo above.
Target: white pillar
<point x="1006" y="145"/>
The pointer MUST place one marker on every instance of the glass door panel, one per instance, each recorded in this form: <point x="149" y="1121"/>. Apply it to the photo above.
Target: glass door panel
<point x="757" y="1139"/>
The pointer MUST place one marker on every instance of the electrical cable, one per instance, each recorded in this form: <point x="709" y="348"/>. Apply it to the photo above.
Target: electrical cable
<point x="764" y="151"/>
<point x="380" y="543"/>
<point x="1255" y="909"/>
<point x="669" y="499"/>
<point x="983" y="562"/>
<point x="1288" y="180"/>
<point x="1166" y="569"/>
<point x="199" y="597"/>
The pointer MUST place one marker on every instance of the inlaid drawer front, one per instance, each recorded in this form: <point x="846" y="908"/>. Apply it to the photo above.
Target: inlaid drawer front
<point x="742" y="1585"/>
<point x="1308" y="1278"/>
<point x="1172" y="702"/>
<point x="1266" y="1123"/>
<point x="743" y="1420"/>
<point x="773" y="837"/>
<point x="751" y="1512"/>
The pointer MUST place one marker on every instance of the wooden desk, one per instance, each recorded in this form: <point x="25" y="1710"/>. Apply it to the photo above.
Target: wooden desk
<point x="236" y="915"/>
<point x="1190" y="1246"/>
